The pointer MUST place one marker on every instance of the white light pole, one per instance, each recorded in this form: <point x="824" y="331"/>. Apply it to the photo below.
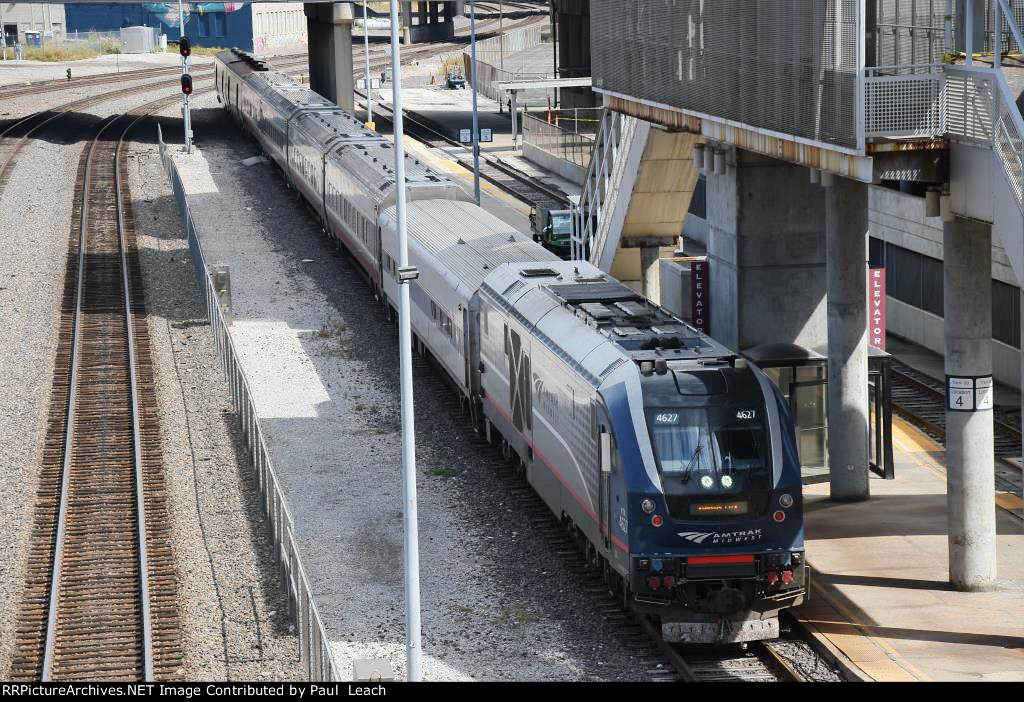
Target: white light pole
<point x="406" y="274"/>
<point x="476" y="115"/>
<point x="501" y="35"/>
<point x="369" y="81"/>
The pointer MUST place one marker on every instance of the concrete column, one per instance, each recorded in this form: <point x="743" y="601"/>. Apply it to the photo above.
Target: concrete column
<point x="846" y="231"/>
<point x="970" y="473"/>
<point x="766" y="249"/>
<point x="344" y="81"/>
<point x="329" y="29"/>
<point x="406" y="8"/>
<point x="650" y="272"/>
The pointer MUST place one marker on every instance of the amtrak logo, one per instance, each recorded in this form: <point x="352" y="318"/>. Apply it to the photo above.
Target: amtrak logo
<point x="746" y="536"/>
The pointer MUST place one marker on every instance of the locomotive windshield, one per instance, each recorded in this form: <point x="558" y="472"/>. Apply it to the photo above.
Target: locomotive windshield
<point x="709" y="456"/>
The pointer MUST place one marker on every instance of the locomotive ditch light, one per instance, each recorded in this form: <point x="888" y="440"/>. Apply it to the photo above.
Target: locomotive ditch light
<point x="727" y="481"/>
<point x="786" y="500"/>
<point x="647" y="505"/>
<point x="707" y="482"/>
<point x="407" y="273"/>
<point x="186" y="84"/>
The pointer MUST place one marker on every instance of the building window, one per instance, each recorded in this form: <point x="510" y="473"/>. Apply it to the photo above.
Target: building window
<point x="219" y="22"/>
<point x="917" y="280"/>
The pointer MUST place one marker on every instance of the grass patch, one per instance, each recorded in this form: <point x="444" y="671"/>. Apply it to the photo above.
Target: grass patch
<point x="59" y="53"/>
<point x="207" y="50"/>
<point x="442" y="472"/>
<point x="71" y="51"/>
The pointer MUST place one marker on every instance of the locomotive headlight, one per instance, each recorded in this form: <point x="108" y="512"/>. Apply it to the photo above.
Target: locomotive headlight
<point x="707" y="482"/>
<point x="727" y="481"/>
<point x="647" y="505"/>
<point x="785" y="499"/>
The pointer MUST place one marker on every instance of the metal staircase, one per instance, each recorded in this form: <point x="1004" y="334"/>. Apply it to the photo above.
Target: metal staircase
<point x="601" y="211"/>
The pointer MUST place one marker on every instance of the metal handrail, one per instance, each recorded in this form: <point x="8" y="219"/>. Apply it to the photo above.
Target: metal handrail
<point x="598" y="173"/>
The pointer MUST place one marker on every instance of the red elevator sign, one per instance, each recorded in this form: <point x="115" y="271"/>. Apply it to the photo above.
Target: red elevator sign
<point x="876" y="308"/>
<point x="700" y="279"/>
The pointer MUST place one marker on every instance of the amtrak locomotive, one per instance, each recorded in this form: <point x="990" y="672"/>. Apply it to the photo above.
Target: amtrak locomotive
<point x="672" y="461"/>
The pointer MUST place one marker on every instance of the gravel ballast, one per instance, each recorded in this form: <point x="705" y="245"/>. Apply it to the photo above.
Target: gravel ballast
<point x="35" y="220"/>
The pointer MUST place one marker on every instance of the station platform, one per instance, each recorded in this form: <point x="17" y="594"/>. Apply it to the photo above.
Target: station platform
<point x="880" y="597"/>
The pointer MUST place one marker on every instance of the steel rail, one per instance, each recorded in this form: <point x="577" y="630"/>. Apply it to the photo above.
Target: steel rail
<point x="140" y="507"/>
<point x="58" y="555"/>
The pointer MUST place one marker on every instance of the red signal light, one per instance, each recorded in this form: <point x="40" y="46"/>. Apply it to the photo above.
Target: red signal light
<point x="185" y="47"/>
<point x="186" y="84"/>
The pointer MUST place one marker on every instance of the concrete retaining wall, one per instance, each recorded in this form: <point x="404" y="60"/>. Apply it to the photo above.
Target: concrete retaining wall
<point x="550" y="162"/>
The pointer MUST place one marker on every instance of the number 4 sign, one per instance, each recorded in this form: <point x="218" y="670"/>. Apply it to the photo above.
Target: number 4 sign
<point x="969" y="394"/>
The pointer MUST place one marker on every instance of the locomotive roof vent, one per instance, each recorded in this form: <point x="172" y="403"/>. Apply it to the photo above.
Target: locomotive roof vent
<point x="536" y="272"/>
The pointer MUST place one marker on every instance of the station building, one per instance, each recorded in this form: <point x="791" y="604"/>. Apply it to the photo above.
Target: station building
<point x="257" y="27"/>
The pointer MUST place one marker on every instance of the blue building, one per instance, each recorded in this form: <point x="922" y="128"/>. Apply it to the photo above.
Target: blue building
<point x="262" y="27"/>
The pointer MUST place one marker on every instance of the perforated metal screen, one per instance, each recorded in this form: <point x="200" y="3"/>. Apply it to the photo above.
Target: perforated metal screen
<point x="785" y="65"/>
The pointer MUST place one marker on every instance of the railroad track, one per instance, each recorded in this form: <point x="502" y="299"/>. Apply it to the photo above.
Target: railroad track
<point x="757" y="662"/>
<point x="15" y="89"/>
<point x="529" y="190"/>
<point x="14" y="137"/>
<point x="921" y="400"/>
<point x="100" y="597"/>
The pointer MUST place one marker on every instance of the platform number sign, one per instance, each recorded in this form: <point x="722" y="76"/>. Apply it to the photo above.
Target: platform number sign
<point x="969" y="394"/>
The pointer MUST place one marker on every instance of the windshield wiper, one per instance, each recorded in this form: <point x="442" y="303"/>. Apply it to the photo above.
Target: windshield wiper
<point x="696" y="453"/>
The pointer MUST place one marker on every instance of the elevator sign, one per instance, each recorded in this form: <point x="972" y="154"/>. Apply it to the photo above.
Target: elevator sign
<point x="700" y="275"/>
<point x="967" y="394"/>
<point x="876" y="308"/>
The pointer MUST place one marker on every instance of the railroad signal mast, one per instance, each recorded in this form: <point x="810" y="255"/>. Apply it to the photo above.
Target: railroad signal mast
<point x="185" y="49"/>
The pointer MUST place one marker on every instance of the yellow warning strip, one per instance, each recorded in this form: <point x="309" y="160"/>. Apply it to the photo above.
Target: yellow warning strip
<point x="464" y="174"/>
<point x="916" y="444"/>
<point x="872" y="654"/>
